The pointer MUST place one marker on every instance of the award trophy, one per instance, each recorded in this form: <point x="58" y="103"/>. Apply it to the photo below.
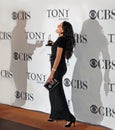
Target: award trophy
<point x="50" y="42"/>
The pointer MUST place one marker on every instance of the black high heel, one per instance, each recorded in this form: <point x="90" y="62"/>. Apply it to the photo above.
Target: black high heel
<point x="70" y="123"/>
<point x="50" y="120"/>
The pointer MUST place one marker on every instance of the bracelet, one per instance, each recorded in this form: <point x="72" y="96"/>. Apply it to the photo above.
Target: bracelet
<point x="53" y="69"/>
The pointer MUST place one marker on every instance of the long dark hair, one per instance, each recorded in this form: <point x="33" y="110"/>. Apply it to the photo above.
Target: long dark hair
<point x="70" y="40"/>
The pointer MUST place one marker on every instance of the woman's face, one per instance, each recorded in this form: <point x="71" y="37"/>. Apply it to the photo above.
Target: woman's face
<point x="59" y="29"/>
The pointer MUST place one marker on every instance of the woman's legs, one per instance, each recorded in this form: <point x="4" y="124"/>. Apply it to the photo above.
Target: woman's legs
<point x="59" y="107"/>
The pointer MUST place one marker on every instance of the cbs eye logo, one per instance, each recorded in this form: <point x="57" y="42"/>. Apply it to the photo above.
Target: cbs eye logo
<point x="93" y="63"/>
<point x="94" y="109"/>
<point x="92" y="14"/>
<point x="15" y="56"/>
<point x="67" y="82"/>
<point x="14" y="15"/>
<point x="17" y="94"/>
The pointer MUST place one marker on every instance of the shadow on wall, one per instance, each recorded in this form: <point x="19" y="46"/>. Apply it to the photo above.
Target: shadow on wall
<point x="21" y="53"/>
<point x="87" y="76"/>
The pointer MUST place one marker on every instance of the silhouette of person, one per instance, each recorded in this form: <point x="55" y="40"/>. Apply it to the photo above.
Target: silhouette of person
<point x="87" y="76"/>
<point x="21" y="53"/>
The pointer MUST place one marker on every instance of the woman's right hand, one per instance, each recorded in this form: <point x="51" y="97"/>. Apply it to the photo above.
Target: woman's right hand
<point x="51" y="77"/>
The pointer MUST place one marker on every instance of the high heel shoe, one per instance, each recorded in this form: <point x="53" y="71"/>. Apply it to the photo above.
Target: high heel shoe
<point x="70" y="123"/>
<point x="50" y="120"/>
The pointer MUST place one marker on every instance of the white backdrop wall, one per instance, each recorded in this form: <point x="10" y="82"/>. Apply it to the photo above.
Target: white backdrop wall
<point x="89" y="84"/>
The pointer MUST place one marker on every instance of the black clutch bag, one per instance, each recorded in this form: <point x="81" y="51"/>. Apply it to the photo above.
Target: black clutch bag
<point x="50" y="86"/>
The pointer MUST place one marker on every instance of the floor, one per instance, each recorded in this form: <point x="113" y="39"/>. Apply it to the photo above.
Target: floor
<point x="14" y="118"/>
<point x="10" y="125"/>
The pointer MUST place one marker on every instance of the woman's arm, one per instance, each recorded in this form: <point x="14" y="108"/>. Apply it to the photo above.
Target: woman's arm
<point x="57" y="59"/>
<point x="56" y="63"/>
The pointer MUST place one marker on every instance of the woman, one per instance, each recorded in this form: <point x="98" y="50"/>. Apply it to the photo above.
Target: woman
<point x="62" y="49"/>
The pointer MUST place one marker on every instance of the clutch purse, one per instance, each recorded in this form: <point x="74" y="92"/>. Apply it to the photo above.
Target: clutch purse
<point x="50" y="86"/>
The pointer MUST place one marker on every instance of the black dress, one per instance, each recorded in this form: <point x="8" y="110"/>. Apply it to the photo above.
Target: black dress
<point x="59" y="107"/>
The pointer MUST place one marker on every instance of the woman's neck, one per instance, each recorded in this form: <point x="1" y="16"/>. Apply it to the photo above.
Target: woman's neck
<point x="60" y="35"/>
